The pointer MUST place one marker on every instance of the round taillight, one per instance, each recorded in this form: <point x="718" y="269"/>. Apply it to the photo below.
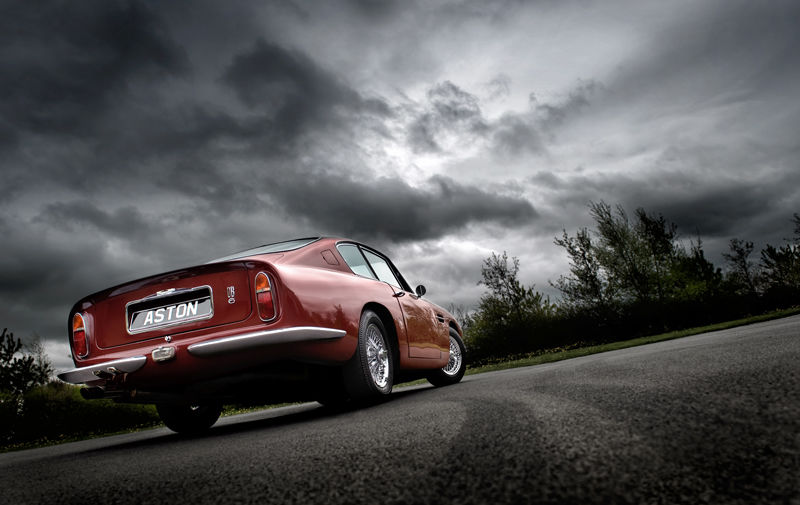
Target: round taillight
<point x="264" y="300"/>
<point x="79" y="344"/>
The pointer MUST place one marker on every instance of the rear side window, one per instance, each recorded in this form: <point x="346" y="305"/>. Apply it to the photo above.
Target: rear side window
<point x="382" y="269"/>
<point x="355" y="260"/>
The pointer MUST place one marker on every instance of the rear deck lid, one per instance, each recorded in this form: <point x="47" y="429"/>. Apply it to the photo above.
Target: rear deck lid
<point x="171" y="304"/>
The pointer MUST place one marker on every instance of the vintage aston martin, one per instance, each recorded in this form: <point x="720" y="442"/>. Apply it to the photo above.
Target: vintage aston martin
<point x="322" y="319"/>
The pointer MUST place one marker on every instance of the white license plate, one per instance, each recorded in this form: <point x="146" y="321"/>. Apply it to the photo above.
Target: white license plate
<point x="170" y="315"/>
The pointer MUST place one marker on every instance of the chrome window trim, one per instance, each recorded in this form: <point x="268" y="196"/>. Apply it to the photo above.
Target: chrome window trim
<point x="405" y="286"/>
<point x="366" y="261"/>
<point x="366" y="252"/>
<point x="164" y="294"/>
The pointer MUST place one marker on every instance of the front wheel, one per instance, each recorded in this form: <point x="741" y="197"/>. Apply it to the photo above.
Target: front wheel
<point x="454" y="370"/>
<point x="189" y="419"/>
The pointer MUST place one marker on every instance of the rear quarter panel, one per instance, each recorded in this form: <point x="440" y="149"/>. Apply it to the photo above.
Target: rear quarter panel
<point x="333" y="299"/>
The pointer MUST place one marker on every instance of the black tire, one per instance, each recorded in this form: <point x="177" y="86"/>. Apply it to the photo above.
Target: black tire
<point x="456" y="366"/>
<point x="369" y="374"/>
<point x="189" y="419"/>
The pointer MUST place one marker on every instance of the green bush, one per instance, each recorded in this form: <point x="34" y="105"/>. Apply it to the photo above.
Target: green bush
<point x="57" y="412"/>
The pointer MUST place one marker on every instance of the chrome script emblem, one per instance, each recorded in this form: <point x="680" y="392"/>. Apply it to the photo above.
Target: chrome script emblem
<point x="231" y="294"/>
<point x="170" y="313"/>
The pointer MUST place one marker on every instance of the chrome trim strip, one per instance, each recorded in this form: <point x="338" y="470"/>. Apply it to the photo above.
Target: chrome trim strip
<point x="87" y="373"/>
<point x="262" y="338"/>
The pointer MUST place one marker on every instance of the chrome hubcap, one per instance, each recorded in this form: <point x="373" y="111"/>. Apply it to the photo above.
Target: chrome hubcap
<point x="377" y="357"/>
<point x="454" y="364"/>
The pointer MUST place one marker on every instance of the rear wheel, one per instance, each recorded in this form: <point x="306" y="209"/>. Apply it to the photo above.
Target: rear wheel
<point x="454" y="370"/>
<point x="189" y="419"/>
<point x="370" y="372"/>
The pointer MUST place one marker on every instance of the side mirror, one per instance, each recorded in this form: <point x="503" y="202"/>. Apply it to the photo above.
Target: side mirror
<point x="420" y="290"/>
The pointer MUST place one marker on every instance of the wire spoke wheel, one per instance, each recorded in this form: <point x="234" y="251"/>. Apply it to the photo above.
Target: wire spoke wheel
<point x="454" y="370"/>
<point x="377" y="356"/>
<point x="369" y="375"/>
<point x="454" y="364"/>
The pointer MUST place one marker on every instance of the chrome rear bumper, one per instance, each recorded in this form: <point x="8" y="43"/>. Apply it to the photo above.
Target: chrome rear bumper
<point x="213" y="347"/>
<point x="95" y="372"/>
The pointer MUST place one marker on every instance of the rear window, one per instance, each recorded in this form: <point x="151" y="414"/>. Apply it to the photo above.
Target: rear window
<point x="277" y="247"/>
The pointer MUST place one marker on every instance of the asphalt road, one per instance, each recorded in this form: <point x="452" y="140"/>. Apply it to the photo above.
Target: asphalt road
<point x="713" y="418"/>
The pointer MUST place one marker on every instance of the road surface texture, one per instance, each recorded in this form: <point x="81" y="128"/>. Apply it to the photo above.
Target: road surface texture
<point x="713" y="418"/>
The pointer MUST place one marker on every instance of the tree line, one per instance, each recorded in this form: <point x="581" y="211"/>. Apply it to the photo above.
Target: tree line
<point x="628" y="276"/>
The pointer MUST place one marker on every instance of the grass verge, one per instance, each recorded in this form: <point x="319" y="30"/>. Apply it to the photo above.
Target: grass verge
<point x="551" y="355"/>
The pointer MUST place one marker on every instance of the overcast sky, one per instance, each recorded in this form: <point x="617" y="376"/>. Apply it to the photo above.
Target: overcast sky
<point x="141" y="137"/>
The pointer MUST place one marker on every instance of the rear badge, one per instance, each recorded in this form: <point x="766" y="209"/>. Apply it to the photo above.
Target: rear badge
<point x="231" y="294"/>
<point x="163" y="353"/>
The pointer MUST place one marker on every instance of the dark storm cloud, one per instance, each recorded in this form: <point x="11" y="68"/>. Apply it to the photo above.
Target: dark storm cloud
<point x="213" y="192"/>
<point x="378" y="10"/>
<point x="516" y="135"/>
<point x="759" y="212"/>
<point x="454" y="105"/>
<point x="65" y="63"/>
<point x="189" y="128"/>
<point x="126" y="222"/>
<point x="44" y="272"/>
<point x="717" y="55"/>
<point x="292" y="90"/>
<point x="721" y="210"/>
<point x="551" y="115"/>
<point x="700" y="125"/>
<point x="390" y="208"/>
<point x="715" y="212"/>
<point x="449" y="109"/>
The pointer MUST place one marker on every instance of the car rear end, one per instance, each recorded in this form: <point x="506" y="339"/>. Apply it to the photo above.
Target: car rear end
<point x="170" y="333"/>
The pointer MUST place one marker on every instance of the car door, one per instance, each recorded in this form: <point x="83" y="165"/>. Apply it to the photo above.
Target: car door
<point x="426" y="334"/>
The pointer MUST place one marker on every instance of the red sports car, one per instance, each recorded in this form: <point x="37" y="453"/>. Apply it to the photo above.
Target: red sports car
<point x="322" y="319"/>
